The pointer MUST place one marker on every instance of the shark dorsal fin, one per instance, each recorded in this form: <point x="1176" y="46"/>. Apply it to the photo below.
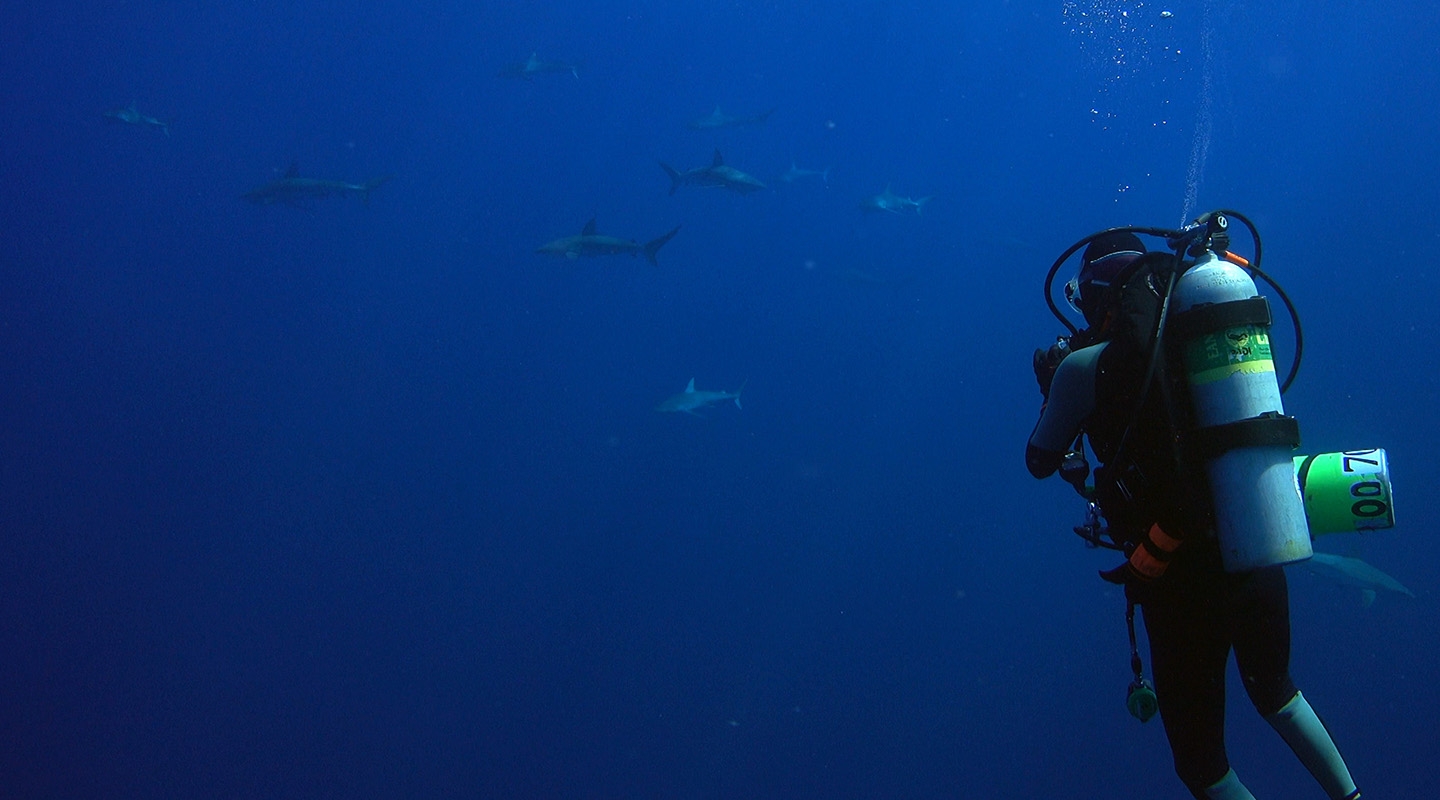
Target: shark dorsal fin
<point x="589" y="229"/>
<point x="690" y="387"/>
<point x="293" y="171"/>
<point x="717" y="113"/>
<point x="719" y="159"/>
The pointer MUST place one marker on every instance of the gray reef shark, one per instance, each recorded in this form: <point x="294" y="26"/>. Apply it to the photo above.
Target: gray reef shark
<point x="894" y="203"/>
<point x="1356" y="574"/>
<point x="132" y="116"/>
<point x="691" y="401"/>
<point x="291" y="189"/>
<point x="719" y="119"/>
<point x="795" y="173"/>
<point x="532" y="66"/>
<point x="717" y="174"/>
<point x="590" y="243"/>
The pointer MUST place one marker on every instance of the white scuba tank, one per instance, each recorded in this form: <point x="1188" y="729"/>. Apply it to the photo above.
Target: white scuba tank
<point x="1259" y="512"/>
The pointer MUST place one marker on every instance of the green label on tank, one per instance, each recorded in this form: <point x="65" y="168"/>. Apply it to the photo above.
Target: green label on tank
<point x="1216" y="356"/>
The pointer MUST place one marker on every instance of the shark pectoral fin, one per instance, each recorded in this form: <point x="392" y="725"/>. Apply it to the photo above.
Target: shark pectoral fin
<point x="1367" y="598"/>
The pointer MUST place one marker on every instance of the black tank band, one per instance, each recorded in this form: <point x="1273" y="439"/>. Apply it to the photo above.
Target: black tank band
<point x="1213" y="317"/>
<point x="1267" y="430"/>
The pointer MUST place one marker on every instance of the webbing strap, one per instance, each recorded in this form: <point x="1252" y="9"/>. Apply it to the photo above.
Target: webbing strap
<point x="1267" y="430"/>
<point x="1212" y="317"/>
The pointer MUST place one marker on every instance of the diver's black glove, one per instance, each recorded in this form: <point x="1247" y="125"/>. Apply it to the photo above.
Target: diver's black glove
<point x="1047" y="361"/>
<point x="1147" y="560"/>
<point x="1122" y="575"/>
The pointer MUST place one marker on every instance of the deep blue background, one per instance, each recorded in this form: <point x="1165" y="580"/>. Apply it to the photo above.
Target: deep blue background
<point x="367" y="501"/>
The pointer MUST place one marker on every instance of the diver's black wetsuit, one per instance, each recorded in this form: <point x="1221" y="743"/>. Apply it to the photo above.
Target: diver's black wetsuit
<point x="1195" y="613"/>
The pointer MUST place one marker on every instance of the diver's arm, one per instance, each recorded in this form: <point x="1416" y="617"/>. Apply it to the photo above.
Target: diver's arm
<point x="1072" y="398"/>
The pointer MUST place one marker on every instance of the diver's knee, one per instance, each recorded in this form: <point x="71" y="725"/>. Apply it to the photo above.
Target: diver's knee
<point x="1228" y="787"/>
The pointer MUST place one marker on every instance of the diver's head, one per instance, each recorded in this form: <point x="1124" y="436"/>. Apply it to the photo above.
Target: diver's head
<point x="1105" y="258"/>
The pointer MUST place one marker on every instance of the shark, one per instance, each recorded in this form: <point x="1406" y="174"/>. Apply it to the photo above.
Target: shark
<point x="291" y="189"/>
<point x="894" y="203"/>
<point x="692" y="400"/>
<point x="719" y="119"/>
<point x="532" y="66"/>
<point x="717" y="174"/>
<point x="130" y="115"/>
<point x="590" y="243"/>
<point x="1356" y="574"/>
<point x="795" y="174"/>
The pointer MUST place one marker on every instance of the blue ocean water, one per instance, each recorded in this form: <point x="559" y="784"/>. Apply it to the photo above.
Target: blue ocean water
<point x="335" y="498"/>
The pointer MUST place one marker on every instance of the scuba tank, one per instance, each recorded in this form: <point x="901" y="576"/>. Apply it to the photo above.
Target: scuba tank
<point x="1223" y="330"/>
<point x="1347" y="491"/>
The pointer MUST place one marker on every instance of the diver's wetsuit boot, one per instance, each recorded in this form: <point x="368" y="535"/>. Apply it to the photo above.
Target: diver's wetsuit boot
<point x="1298" y="725"/>
<point x="1228" y="788"/>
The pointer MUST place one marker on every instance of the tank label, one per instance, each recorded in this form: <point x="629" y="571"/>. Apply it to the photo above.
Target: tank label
<point x="1215" y="356"/>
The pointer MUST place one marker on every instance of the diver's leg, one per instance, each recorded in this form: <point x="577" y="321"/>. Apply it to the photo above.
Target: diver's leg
<point x="1260" y="615"/>
<point x="1301" y="728"/>
<point x="1188" y="654"/>
<point x="1227" y="788"/>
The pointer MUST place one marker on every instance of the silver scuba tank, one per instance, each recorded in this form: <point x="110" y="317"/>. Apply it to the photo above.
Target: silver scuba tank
<point x="1245" y="438"/>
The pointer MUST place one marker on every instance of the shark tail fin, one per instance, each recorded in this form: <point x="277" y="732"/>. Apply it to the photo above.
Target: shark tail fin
<point x="740" y="391"/>
<point x="653" y="246"/>
<point x="675" y="178"/>
<point x="372" y="185"/>
<point x="825" y="176"/>
<point x="920" y="204"/>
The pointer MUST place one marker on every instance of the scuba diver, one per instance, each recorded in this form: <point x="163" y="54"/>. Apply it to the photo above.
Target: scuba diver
<point x="1171" y="381"/>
